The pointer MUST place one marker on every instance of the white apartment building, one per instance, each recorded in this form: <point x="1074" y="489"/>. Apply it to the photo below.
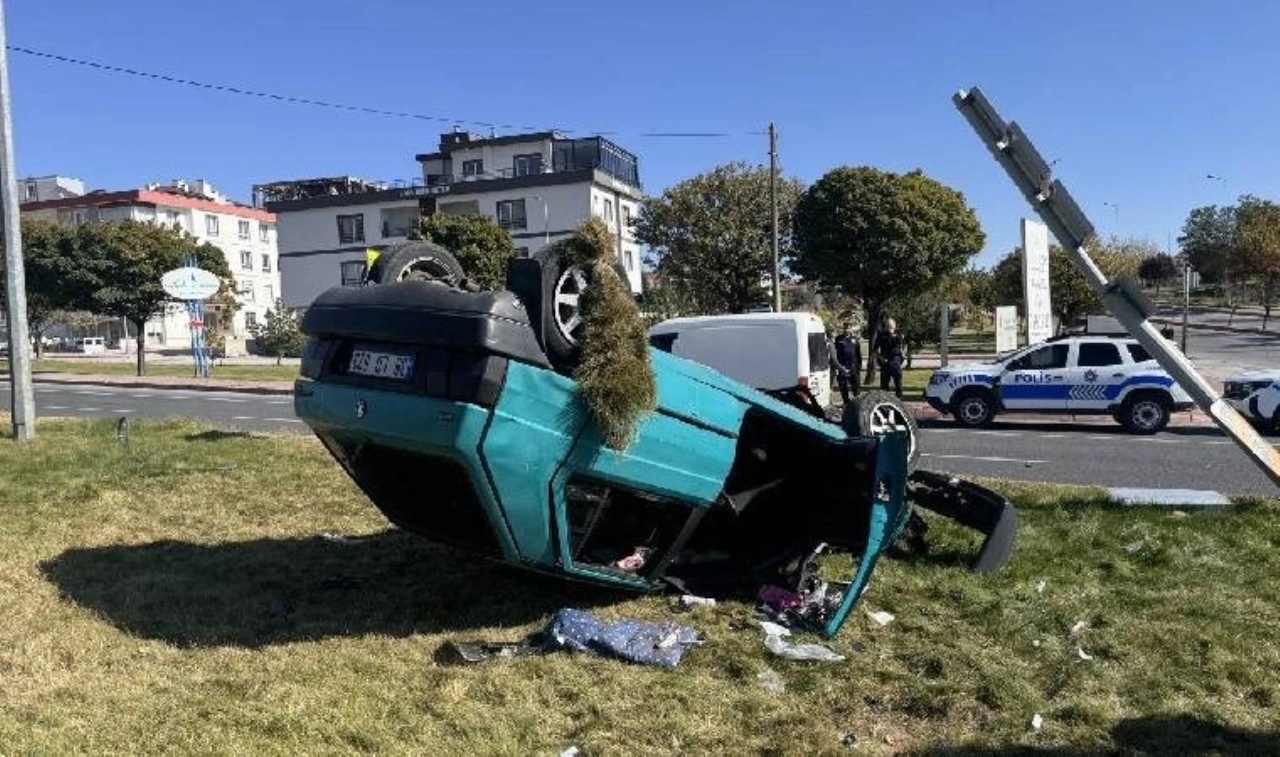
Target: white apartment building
<point x="245" y="234"/>
<point x="537" y="186"/>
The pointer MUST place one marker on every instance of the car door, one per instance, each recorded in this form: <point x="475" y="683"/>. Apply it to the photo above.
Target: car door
<point x="1037" y="380"/>
<point x="1095" y="377"/>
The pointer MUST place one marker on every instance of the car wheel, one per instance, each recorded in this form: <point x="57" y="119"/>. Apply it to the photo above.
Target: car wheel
<point x="973" y="409"/>
<point x="1145" y="414"/>
<point x="876" y="412"/>
<point x="416" y="261"/>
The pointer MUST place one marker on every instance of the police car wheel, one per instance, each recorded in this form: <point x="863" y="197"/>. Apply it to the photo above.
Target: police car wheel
<point x="973" y="409"/>
<point x="1145" y="414"/>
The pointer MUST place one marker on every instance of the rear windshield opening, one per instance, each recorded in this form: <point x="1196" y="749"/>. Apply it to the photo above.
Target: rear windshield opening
<point x="818" y="358"/>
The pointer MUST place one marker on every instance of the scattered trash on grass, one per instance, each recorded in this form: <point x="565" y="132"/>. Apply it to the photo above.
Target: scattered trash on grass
<point x="1037" y="722"/>
<point x="880" y="617"/>
<point x="1177" y="514"/>
<point x="773" y="629"/>
<point x="1035" y="643"/>
<point x="1083" y="654"/>
<point x="771" y="681"/>
<point x="661" y="644"/>
<point x="336" y="539"/>
<point x="572" y="751"/>
<point x="814" y="652"/>
<point x="691" y="600"/>
<point x="1135" y="547"/>
<point x="848" y="740"/>
<point x="1040" y="587"/>
<point x="1078" y="627"/>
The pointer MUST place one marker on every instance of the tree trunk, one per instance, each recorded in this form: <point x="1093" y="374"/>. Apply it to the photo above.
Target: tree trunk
<point x="40" y="344"/>
<point x="874" y="312"/>
<point x="279" y="357"/>
<point x="142" y="346"/>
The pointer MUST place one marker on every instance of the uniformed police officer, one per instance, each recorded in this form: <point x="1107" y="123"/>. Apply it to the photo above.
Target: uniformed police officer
<point x="890" y="354"/>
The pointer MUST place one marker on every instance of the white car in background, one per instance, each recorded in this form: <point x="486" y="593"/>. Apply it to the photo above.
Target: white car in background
<point x="1256" y="396"/>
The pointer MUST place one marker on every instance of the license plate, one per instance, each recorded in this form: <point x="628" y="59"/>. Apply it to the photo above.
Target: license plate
<point x="388" y="365"/>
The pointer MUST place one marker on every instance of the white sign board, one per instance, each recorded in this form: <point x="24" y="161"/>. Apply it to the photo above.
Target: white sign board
<point x="1006" y="328"/>
<point x="1035" y="280"/>
<point x="190" y="283"/>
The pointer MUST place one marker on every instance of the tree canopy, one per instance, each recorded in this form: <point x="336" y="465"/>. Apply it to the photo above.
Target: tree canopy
<point x="279" y="333"/>
<point x="883" y="237"/>
<point x="1157" y="269"/>
<point x="482" y="247"/>
<point x="55" y="276"/>
<point x="711" y="238"/>
<point x="1070" y="295"/>
<point x="1257" y="246"/>
<point x="1207" y="240"/>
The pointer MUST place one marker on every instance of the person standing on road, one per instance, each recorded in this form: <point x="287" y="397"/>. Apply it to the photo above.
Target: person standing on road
<point x="890" y="353"/>
<point x="847" y="357"/>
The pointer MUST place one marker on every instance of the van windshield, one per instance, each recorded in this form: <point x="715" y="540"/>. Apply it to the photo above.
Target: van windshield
<point x="819" y="360"/>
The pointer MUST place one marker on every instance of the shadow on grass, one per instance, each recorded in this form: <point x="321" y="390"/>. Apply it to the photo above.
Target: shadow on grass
<point x="215" y="435"/>
<point x="276" y="591"/>
<point x="1158" y="734"/>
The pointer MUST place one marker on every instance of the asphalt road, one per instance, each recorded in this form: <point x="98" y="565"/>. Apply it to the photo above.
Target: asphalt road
<point x="231" y="410"/>
<point x="1101" y="455"/>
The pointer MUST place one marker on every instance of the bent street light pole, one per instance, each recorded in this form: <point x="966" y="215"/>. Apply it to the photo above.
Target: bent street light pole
<point x="1055" y="206"/>
<point x="22" y="398"/>
<point x="773" y="228"/>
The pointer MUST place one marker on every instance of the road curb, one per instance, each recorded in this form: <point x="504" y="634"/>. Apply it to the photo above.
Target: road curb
<point x="229" y="386"/>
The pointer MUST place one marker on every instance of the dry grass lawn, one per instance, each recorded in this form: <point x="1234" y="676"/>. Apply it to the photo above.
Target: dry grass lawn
<point x="180" y="596"/>
<point x="261" y="372"/>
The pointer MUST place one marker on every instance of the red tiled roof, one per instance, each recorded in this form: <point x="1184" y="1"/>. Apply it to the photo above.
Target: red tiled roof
<point x="154" y="198"/>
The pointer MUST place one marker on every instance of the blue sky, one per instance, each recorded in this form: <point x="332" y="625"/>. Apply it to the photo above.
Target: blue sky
<point x="1137" y="101"/>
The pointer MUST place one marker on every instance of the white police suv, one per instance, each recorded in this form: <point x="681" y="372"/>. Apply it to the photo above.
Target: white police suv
<point x="1256" y="396"/>
<point x="1067" y="374"/>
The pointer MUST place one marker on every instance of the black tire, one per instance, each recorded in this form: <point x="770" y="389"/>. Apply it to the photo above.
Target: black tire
<point x="417" y="261"/>
<point x="875" y="412"/>
<point x="563" y="283"/>
<point x="1144" y="412"/>
<point x="974" y="408"/>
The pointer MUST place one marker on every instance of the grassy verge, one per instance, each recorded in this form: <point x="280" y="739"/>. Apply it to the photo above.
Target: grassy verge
<point x="179" y="596"/>
<point x="129" y="368"/>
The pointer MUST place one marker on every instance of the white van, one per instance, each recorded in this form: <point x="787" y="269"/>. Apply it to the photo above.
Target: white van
<point x="93" y="345"/>
<point x="767" y="351"/>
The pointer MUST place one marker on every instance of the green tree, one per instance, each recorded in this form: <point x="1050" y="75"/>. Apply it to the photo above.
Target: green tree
<point x="478" y="242"/>
<point x="1257" y="246"/>
<point x="1070" y="296"/>
<point x="882" y="237"/>
<point x="1208" y="242"/>
<point x="56" y="278"/>
<point x="279" y="333"/>
<point x="129" y="258"/>
<point x="1157" y="269"/>
<point x="711" y="234"/>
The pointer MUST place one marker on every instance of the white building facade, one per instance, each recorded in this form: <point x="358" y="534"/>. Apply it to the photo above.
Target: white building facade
<point x="538" y="187"/>
<point x="245" y="234"/>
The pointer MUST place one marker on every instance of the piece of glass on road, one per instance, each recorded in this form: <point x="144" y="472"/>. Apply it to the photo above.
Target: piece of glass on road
<point x="379" y="364"/>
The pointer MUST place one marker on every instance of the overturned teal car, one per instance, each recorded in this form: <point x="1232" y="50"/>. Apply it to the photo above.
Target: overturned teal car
<point x="454" y="411"/>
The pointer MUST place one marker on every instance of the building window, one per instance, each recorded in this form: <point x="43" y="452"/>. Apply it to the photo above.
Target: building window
<point x="511" y="214"/>
<point x="608" y="211"/>
<point x="631" y="261"/>
<point x="271" y="293"/>
<point x="264" y="233"/>
<point x="266" y="263"/>
<point x="246" y="260"/>
<point x="244" y="229"/>
<point x="211" y="225"/>
<point x="522" y="252"/>
<point x="526" y="165"/>
<point x="171" y="217"/>
<point x="472" y="167"/>
<point x="250" y="319"/>
<point x="352" y="273"/>
<point x="32" y="192"/>
<point x="351" y="228"/>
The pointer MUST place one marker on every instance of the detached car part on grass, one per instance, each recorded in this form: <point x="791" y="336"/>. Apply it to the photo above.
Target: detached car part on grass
<point x="454" y="412"/>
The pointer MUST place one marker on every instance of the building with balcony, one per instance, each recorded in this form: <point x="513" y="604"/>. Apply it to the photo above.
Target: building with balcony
<point x="245" y="234"/>
<point x="538" y="186"/>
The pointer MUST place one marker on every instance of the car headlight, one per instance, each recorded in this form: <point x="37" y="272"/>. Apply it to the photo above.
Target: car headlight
<point x="939" y="378"/>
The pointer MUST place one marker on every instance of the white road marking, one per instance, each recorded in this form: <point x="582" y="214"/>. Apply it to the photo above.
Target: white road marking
<point x="224" y="399"/>
<point x="56" y="407"/>
<point x="244" y="417"/>
<point x="95" y="394"/>
<point x="1158" y="440"/>
<point x="984" y="459"/>
<point x="1053" y="436"/>
<point x="284" y="420"/>
<point x="89" y="409"/>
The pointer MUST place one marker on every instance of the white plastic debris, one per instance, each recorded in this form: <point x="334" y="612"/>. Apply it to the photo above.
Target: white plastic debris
<point x="771" y="681"/>
<point x="1040" y="587"/>
<point x="773" y="629"/>
<point x="1078" y="627"/>
<point x="1035" y="643"/>
<point x="1037" y="722"/>
<point x="1083" y="654"/>
<point x="572" y="751"/>
<point x="881" y="617"/>
<point x="335" y="539"/>
<point x="786" y="649"/>
<point x="1134" y="548"/>
<point x="690" y="600"/>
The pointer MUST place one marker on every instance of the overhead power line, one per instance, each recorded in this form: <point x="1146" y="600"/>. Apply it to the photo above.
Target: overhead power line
<point x="295" y="100"/>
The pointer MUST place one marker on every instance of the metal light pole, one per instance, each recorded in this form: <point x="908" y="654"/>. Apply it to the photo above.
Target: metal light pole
<point x="773" y="204"/>
<point x="22" y="397"/>
<point x="1186" y="301"/>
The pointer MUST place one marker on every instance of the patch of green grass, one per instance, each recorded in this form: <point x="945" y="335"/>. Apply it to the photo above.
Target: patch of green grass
<point x="179" y="596"/>
<point x="129" y="368"/>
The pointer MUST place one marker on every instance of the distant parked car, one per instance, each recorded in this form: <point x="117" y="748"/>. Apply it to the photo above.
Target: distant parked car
<point x="1256" y="396"/>
<point x="1069" y="374"/>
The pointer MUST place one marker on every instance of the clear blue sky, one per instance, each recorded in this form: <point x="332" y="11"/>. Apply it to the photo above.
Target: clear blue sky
<point x="1138" y="101"/>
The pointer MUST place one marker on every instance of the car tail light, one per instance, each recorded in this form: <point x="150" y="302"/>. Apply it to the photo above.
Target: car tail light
<point x="314" y="353"/>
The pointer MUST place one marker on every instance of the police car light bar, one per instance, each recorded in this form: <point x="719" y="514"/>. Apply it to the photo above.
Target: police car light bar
<point x="1050" y="199"/>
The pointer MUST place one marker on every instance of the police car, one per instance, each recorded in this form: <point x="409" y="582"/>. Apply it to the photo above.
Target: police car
<point x="1066" y="374"/>
<point x="1256" y="396"/>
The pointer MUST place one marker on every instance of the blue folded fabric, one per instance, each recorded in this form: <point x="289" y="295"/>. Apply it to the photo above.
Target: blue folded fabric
<point x="660" y="644"/>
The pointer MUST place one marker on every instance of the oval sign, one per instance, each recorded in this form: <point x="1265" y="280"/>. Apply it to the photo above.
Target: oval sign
<point x="190" y="283"/>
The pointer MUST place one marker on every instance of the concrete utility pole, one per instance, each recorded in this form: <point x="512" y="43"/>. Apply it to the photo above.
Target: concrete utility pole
<point x="22" y="397"/>
<point x="773" y="204"/>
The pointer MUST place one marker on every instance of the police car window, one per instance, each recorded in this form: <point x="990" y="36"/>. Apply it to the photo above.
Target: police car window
<point x="1053" y="356"/>
<point x="1098" y="355"/>
<point x="1139" y="353"/>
